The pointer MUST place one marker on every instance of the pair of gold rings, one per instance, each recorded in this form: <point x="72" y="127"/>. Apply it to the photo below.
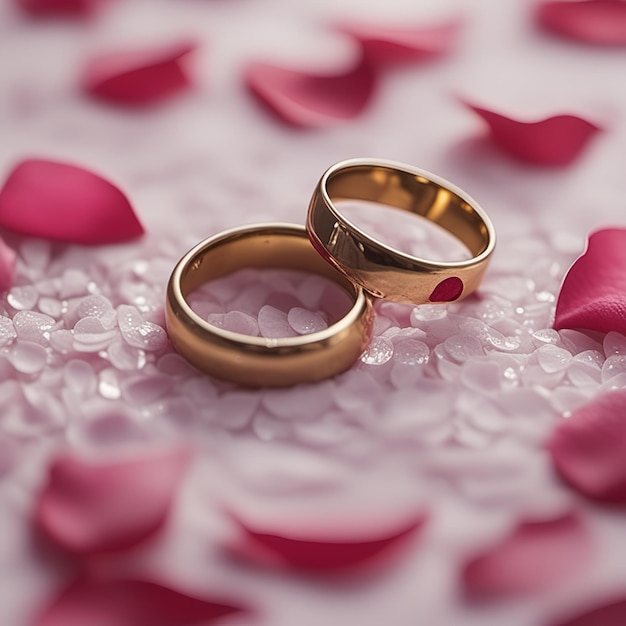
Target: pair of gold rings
<point x="341" y="252"/>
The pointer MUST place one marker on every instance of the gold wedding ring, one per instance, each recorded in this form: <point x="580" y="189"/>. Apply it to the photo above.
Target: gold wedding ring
<point x="380" y="269"/>
<point x="259" y="361"/>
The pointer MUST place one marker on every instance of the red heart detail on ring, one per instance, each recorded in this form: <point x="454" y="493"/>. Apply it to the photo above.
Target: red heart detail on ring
<point x="447" y="290"/>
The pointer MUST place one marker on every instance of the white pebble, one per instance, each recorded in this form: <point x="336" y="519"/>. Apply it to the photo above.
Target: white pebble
<point x="614" y="343"/>
<point x="234" y="410"/>
<point x="108" y="384"/>
<point x="139" y="333"/>
<point x="99" y="307"/>
<point x="23" y="298"/>
<point x="73" y="283"/>
<point x="125" y="357"/>
<point x="378" y="352"/>
<point x="553" y="359"/>
<point x="7" y="330"/>
<point x="613" y="366"/>
<point x="305" y="322"/>
<point x="411" y="352"/>
<point x="62" y="340"/>
<point x="461" y="347"/>
<point x="427" y="313"/>
<point x="28" y="357"/>
<point x="273" y="323"/>
<point x="236" y="322"/>
<point x="50" y="306"/>
<point x="33" y="326"/>
<point x="545" y="336"/>
<point x="482" y="376"/>
<point x="301" y="401"/>
<point x="142" y="390"/>
<point x="80" y="377"/>
<point x="91" y="336"/>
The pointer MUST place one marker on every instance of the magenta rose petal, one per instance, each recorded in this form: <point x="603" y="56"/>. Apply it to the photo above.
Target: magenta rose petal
<point x="309" y="100"/>
<point x="139" y="77"/>
<point x="601" y="22"/>
<point x="534" y="557"/>
<point x="593" y="293"/>
<point x="7" y="266"/>
<point x="60" y="8"/>
<point x="553" y="141"/>
<point x="67" y="203"/>
<point x="347" y="549"/>
<point x="398" y="45"/>
<point x="611" y="614"/>
<point x="587" y="448"/>
<point x="130" y="603"/>
<point x="94" y="507"/>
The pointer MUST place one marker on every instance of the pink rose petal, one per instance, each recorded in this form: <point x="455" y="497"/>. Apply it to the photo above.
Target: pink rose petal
<point x="387" y="45"/>
<point x="93" y="507"/>
<point x="309" y="100"/>
<point x="89" y="602"/>
<point x="613" y="614"/>
<point x="66" y="203"/>
<point x="321" y="550"/>
<point x="65" y="8"/>
<point x="592" y="21"/>
<point x="7" y="266"/>
<point x="588" y="448"/>
<point x="554" y="141"/>
<point x="534" y="557"/>
<point x="141" y="77"/>
<point x="593" y="294"/>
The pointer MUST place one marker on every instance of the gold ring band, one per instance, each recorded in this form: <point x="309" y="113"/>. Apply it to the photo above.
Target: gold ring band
<point x="259" y="361"/>
<point x="380" y="269"/>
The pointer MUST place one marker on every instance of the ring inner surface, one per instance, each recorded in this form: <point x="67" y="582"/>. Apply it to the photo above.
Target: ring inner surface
<point x="256" y="248"/>
<point x="413" y="193"/>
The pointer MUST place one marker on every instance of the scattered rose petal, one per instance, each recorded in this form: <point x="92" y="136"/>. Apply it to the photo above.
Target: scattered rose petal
<point x="613" y="614"/>
<point x="592" y="21"/>
<point x="349" y="547"/>
<point x="141" y="77"/>
<point x="553" y="141"/>
<point x="593" y="294"/>
<point x="93" y="507"/>
<point x="65" y="203"/>
<point x="534" y="557"/>
<point x="588" y="448"/>
<point x="389" y="45"/>
<point x="309" y="100"/>
<point x="129" y="603"/>
<point x="7" y="266"/>
<point x="64" y="8"/>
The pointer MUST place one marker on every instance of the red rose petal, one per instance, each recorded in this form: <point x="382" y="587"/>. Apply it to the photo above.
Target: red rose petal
<point x="593" y="293"/>
<point x="592" y="21"/>
<point x="308" y="100"/>
<point x="554" y="141"/>
<point x="65" y="8"/>
<point x="7" y="266"/>
<point x="392" y="45"/>
<point x="93" y="507"/>
<point x="447" y="290"/>
<point x="325" y="552"/>
<point x="129" y="603"/>
<point x="613" y="614"/>
<point x="66" y="203"/>
<point x="588" y="448"/>
<point x="534" y="557"/>
<point x="140" y="77"/>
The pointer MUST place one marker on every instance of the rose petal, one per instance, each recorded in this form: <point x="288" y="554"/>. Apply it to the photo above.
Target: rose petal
<point x="613" y="614"/>
<point x="348" y="548"/>
<point x="7" y="266"/>
<point x="68" y="8"/>
<point x="386" y="45"/>
<point x="88" y="602"/>
<point x="554" y="141"/>
<point x="593" y="21"/>
<point x="140" y="77"/>
<point x="93" y="507"/>
<point x="593" y="293"/>
<point x="309" y="100"/>
<point x="534" y="557"/>
<point x="66" y="203"/>
<point x="588" y="448"/>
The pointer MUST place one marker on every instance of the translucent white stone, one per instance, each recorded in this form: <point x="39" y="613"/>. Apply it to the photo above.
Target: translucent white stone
<point x="28" y="357"/>
<point x="305" y="322"/>
<point x="23" y="298"/>
<point x="125" y="357"/>
<point x="99" y="307"/>
<point x="139" y="333"/>
<point x="301" y="401"/>
<point x="268" y="428"/>
<point x="234" y="410"/>
<point x="357" y="390"/>
<point x="108" y="384"/>
<point x="310" y="291"/>
<point x="553" y="359"/>
<point x="273" y="323"/>
<point x="427" y="313"/>
<point x="141" y="390"/>
<point x="481" y="375"/>
<point x="62" y="340"/>
<point x="7" y="331"/>
<point x="411" y="352"/>
<point x="235" y="321"/>
<point x="575" y="341"/>
<point x="33" y="326"/>
<point x="481" y="413"/>
<point x="50" y="306"/>
<point x="461" y="347"/>
<point x="91" y="336"/>
<point x="325" y="432"/>
<point x="405" y="375"/>
<point x="568" y="399"/>
<point x="535" y="375"/>
<point x="80" y="376"/>
<point x="201" y="390"/>
<point x="250" y="300"/>
<point x="378" y="352"/>
<point x="495" y="308"/>
<point x="613" y="366"/>
<point x="73" y="283"/>
<point x="545" y="336"/>
<point x="614" y="343"/>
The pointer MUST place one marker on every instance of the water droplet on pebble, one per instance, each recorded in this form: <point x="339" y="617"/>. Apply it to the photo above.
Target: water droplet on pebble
<point x="305" y="322"/>
<point x="7" y="331"/>
<point x="33" y="326"/>
<point x="378" y="352"/>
